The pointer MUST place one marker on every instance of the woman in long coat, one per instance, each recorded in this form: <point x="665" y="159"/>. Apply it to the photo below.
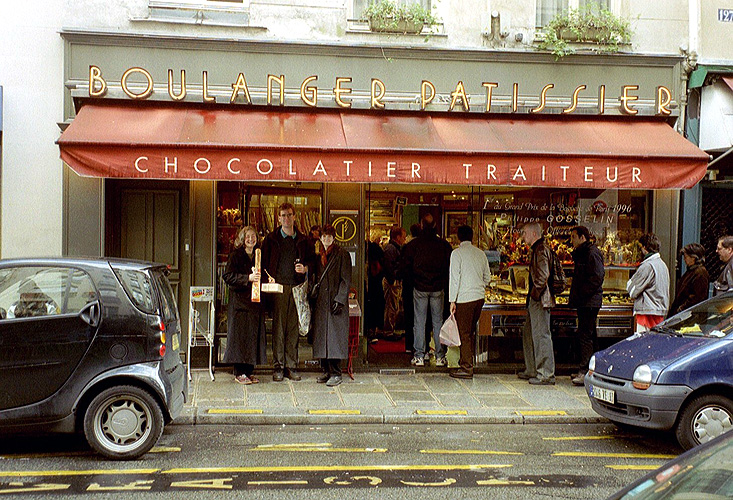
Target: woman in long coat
<point x="693" y="287"/>
<point x="246" y="321"/>
<point x="331" y="323"/>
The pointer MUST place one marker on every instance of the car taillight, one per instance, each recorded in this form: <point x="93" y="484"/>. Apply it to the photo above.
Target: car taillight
<point x="162" y="350"/>
<point x="160" y="326"/>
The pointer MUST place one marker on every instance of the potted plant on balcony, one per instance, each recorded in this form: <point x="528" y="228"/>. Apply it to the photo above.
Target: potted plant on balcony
<point x="386" y="16"/>
<point x="596" y="28"/>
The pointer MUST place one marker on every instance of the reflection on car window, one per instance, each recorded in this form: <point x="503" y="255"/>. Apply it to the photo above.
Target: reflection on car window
<point x="81" y="292"/>
<point x="712" y="318"/>
<point x="138" y="287"/>
<point x="33" y="291"/>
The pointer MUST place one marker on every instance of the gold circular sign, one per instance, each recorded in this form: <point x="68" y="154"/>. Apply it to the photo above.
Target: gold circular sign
<point x="345" y="229"/>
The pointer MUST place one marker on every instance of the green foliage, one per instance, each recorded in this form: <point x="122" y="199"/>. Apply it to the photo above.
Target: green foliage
<point x="386" y="15"/>
<point x="590" y="25"/>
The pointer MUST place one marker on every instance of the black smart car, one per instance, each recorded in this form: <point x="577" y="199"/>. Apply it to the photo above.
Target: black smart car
<point x="92" y="345"/>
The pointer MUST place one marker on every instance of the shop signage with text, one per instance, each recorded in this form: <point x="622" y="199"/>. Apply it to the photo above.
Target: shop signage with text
<point x="342" y="92"/>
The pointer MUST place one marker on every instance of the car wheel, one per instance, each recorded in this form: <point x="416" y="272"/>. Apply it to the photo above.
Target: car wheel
<point x="123" y="422"/>
<point x="703" y="419"/>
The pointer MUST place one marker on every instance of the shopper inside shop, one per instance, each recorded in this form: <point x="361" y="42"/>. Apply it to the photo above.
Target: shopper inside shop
<point x="539" y="357"/>
<point x="649" y="285"/>
<point x="391" y="285"/>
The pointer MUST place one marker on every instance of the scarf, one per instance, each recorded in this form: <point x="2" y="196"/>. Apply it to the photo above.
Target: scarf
<point x="325" y="255"/>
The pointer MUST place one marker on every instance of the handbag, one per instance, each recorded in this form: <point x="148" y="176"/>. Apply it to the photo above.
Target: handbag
<point x="313" y="294"/>
<point x="449" y="332"/>
<point x="300" y="296"/>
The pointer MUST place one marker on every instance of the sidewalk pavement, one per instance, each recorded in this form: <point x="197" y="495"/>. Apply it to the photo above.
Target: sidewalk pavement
<point x="397" y="396"/>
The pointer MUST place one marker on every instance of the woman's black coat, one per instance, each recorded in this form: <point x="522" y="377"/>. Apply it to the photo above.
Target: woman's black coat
<point x="331" y="331"/>
<point x="246" y="321"/>
<point x="692" y="289"/>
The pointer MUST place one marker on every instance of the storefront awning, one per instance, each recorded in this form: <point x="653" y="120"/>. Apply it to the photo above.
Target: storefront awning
<point x="156" y="140"/>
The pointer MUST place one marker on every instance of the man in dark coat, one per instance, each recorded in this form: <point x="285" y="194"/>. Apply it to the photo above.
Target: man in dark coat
<point x="392" y="287"/>
<point x="286" y="258"/>
<point x="586" y="294"/>
<point x="331" y="314"/>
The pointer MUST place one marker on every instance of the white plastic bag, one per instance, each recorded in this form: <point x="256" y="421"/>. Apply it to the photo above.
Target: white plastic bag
<point x="300" y="295"/>
<point x="449" y="332"/>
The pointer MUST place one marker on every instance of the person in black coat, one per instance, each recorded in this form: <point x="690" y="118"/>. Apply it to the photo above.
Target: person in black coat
<point x="331" y="313"/>
<point x="246" y="322"/>
<point x="586" y="294"/>
<point x="693" y="286"/>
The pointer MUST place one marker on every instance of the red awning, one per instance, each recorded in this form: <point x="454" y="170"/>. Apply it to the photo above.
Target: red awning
<point x="156" y="140"/>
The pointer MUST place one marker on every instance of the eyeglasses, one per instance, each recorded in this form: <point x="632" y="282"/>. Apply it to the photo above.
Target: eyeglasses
<point x="289" y="215"/>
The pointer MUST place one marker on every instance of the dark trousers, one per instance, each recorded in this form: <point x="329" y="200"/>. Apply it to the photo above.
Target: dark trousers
<point x="467" y="315"/>
<point x="331" y="366"/>
<point x="285" y="330"/>
<point x="243" y="369"/>
<point x="587" y="335"/>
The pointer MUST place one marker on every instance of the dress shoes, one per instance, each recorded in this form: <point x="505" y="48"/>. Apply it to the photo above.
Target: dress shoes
<point x="292" y="374"/>
<point x="277" y="375"/>
<point x="578" y="379"/>
<point x="524" y="375"/>
<point x="542" y="381"/>
<point x="323" y="378"/>
<point x="334" y="380"/>
<point x="461" y="374"/>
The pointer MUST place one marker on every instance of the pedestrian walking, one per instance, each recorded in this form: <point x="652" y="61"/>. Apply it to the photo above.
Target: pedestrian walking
<point x="469" y="277"/>
<point x="649" y="285"/>
<point x="245" y="319"/>
<point x="693" y="286"/>
<point x="539" y="358"/>
<point x="331" y="323"/>
<point x="725" y="253"/>
<point x="428" y="261"/>
<point x="586" y="295"/>
<point x="286" y="257"/>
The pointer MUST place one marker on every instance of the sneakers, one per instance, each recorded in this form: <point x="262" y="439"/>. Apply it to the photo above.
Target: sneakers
<point x="542" y="381"/>
<point x="578" y="379"/>
<point x="441" y="361"/>
<point x="416" y="361"/>
<point x="334" y="380"/>
<point x="323" y="378"/>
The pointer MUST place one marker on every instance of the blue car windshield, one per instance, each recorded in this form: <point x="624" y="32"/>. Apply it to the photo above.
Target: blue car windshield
<point x="711" y="318"/>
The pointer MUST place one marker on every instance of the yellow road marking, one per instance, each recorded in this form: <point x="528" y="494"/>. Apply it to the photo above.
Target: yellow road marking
<point x="293" y="445"/>
<point x="20" y="488"/>
<point x="139" y="485"/>
<point x="633" y="467"/>
<point x="334" y="412"/>
<point x="88" y="472"/>
<point x="540" y="413"/>
<point x="441" y="412"/>
<point x="261" y="483"/>
<point x="219" y="484"/>
<point x="165" y="449"/>
<point x="503" y="482"/>
<point x="577" y="438"/>
<point x="446" y="482"/>
<point x="315" y="468"/>
<point x="611" y="455"/>
<point x="233" y="411"/>
<point x="325" y="449"/>
<point x="472" y="452"/>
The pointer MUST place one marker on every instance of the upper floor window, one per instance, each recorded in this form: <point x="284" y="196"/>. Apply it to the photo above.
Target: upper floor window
<point x="548" y="9"/>
<point x="360" y="5"/>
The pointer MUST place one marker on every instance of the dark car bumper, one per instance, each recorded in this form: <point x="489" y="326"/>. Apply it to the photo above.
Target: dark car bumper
<point x="653" y="408"/>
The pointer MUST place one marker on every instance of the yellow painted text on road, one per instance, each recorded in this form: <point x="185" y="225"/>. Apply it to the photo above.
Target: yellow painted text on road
<point x="503" y="482"/>
<point x="330" y="468"/>
<point x="276" y="483"/>
<point x="85" y="472"/>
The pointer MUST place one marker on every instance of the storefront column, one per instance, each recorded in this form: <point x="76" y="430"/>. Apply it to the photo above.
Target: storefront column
<point x="83" y="215"/>
<point x="666" y="226"/>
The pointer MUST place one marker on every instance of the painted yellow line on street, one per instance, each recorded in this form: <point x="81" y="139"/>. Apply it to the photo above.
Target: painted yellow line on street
<point x="165" y="449"/>
<point x="471" y="452"/>
<point x="541" y="413"/>
<point x="577" y="438"/>
<point x="87" y="472"/>
<point x="325" y="449"/>
<point x="264" y="483"/>
<point x="441" y="412"/>
<point x="233" y="411"/>
<point x="633" y="467"/>
<point x="611" y="455"/>
<point x="334" y="412"/>
<point x="328" y="468"/>
<point x="504" y="482"/>
<point x="293" y="445"/>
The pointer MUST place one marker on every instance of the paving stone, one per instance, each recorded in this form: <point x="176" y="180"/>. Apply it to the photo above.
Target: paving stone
<point x="318" y="400"/>
<point x="219" y="391"/>
<point x="270" y="387"/>
<point x="361" y="389"/>
<point x="402" y="396"/>
<point x="269" y="400"/>
<point x="458" y="401"/>
<point x="366" y="400"/>
<point x="503" y="401"/>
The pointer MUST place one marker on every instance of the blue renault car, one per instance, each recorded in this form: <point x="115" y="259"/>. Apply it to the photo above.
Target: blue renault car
<point x="678" y="376"/>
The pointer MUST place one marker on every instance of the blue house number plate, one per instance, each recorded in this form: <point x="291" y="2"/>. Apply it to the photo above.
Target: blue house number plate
<point x="725" y="15"/>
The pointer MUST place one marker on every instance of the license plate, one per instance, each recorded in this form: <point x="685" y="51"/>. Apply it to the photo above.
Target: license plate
<point x="606" y="395"/>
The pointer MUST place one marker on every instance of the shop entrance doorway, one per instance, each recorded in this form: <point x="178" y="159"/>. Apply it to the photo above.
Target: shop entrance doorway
<point x="151" y="222"/>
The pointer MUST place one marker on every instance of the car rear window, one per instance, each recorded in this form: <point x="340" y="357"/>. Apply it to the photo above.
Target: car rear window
<point x="138" y="287"/>
<point x="170" y="310"/>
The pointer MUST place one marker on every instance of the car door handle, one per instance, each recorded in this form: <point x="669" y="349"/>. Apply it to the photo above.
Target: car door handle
<point x="91" y="314"/>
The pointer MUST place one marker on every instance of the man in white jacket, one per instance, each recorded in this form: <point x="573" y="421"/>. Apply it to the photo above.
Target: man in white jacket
<point x="469" y="277"/>
<point x="649" y="286"/>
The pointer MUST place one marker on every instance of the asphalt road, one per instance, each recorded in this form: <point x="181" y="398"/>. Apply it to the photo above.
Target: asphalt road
<point x="578" y="461"/>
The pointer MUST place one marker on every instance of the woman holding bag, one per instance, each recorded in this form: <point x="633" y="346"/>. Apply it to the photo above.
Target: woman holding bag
<point x="246" y="322"/>
<point x="469" y="277"/>
<point x="331" y="313"/>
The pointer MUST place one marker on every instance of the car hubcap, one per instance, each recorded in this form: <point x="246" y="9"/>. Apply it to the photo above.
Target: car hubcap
<point x="710" y="422"/>
<point x="123" y="421"/>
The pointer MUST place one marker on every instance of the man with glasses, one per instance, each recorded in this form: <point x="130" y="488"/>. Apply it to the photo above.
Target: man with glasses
<point x="286" y="257"/>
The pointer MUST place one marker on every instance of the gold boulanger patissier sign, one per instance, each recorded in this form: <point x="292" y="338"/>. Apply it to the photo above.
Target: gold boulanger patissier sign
<point x="341" y="92"/>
